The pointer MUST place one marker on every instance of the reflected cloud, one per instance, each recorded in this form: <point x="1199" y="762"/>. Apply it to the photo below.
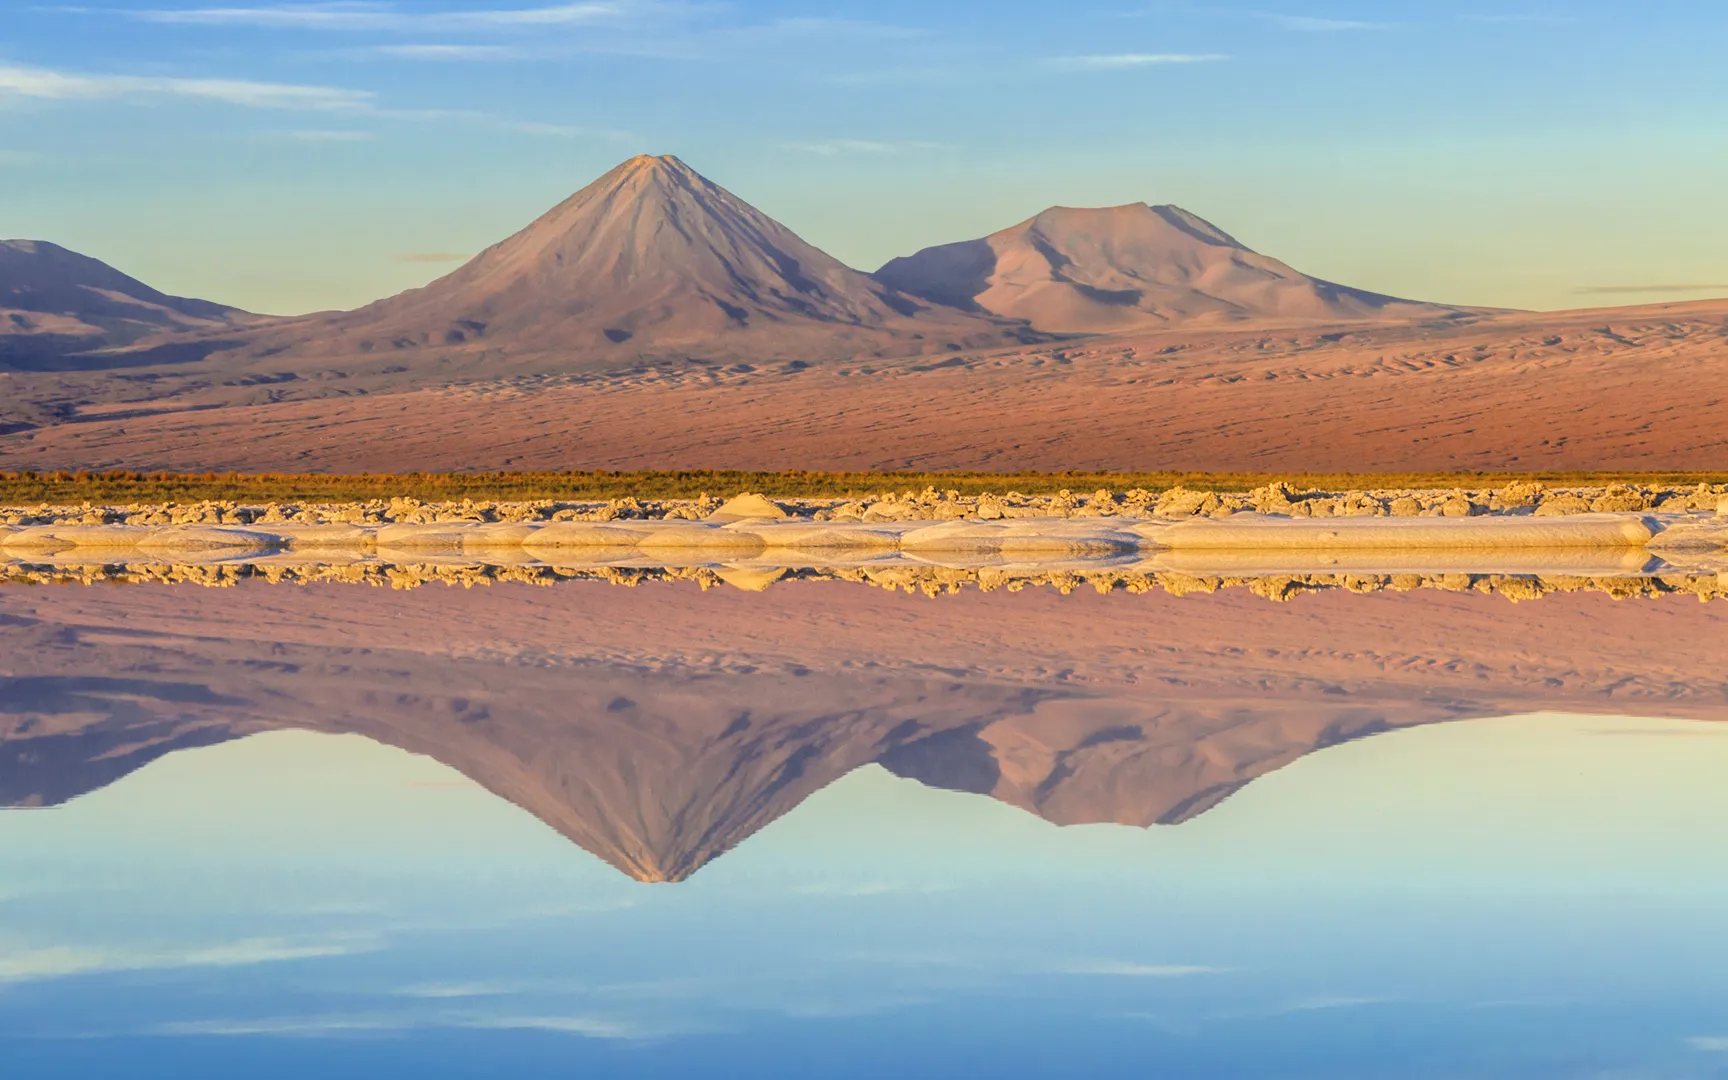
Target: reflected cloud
<point x="1318" y="1002"/>
<point x="308" y="1027"/>
<point x="589" y="1026"/>
<point x="439" y="991"/>
<point x="63" y="961"/>
<point x="723" y="730"/>
<point x="817" y="1007"/>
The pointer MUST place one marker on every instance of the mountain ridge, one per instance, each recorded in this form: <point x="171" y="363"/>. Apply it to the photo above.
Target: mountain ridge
<point x="650" y="260"/>
<point x="55" y="300"/>
<point x="1116" y="269"/>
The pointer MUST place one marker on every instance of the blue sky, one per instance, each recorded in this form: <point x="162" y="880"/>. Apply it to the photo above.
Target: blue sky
<point x="1527" y="897"/>
<point x="286" y="157"/>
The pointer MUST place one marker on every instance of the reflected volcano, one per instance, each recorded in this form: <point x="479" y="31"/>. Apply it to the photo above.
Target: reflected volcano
<point x="659" y="727"/>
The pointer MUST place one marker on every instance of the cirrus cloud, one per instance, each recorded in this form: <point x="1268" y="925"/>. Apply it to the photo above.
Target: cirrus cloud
<point x="48" y="84"/>
<point x="383" y="16"/>
<point x="1119" y="61"/>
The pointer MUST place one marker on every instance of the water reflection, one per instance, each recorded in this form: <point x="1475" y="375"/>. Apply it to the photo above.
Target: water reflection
<point x="898" y="824"/>
<point x="659" y="727"/>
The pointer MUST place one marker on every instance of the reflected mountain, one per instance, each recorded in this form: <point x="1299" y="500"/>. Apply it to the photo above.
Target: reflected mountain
<point x="660" y="727"/>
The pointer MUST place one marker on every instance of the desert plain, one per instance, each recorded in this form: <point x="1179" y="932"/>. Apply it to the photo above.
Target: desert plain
<point x="656" y="321"/>
<point x="1615" y="389"/>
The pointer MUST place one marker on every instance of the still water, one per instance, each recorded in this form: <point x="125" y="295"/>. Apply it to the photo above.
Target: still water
<point x="330" y="830"/>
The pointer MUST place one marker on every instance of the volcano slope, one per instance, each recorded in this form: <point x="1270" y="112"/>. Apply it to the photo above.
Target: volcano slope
<point x="55" y="303"/>
<point x="1135" y="267"/>
<point x="652" y="261"/>
<point x="659" y="726"/>
<point x="1624" y="388"/>
<point x="650" y="264"/>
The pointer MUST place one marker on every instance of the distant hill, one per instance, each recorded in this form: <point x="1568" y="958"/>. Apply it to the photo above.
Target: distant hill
<point x="54" y="301"/>
<point x="1133" y="267"/>
<point x="651" y="260"/>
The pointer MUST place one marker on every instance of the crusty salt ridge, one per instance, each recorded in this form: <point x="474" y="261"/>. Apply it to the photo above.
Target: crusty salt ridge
<point x="754" y="552"/>
<point x="652" y="260"/>
<point x="1131" y="267"/>
<point x="1278" y="499"/>
<point x="1539" y="575"/>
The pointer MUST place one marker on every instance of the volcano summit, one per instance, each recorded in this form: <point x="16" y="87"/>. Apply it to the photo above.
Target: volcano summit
<point x="652" y="260"/>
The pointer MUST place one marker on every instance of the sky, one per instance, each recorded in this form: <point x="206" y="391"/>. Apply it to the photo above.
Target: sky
<point x="1525" y="897"/>
<point x="286" y="157"/>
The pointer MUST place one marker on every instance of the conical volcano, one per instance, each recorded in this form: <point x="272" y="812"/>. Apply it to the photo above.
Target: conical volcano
<point x="1128" y="268"/>
<point x="651" y="260"/>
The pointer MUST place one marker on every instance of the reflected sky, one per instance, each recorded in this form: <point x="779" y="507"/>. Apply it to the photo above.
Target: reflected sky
<point x="1532" y="896"/>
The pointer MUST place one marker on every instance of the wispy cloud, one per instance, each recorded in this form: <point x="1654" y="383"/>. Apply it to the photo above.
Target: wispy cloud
<point x="44" y="83"/>
<point x="332" y="16"/>
<point x="337" y="1025"/>
<point x="350" y="16"/>
<point x="1609" y="290"/>
<point x="449" y="52"/>
<point x="1716" y="1044"/>
<point x="1314" y="24"/>
<point x="63" y="961"/>
<point x="1117" y="61"/>
<point x="49" y="85"/>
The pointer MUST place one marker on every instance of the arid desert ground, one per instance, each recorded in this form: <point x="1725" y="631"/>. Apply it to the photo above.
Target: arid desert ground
<point x="1628" y="388"/>
<point x="654" y="320"/>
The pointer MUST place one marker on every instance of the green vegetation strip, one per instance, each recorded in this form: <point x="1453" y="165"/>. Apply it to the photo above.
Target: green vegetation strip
<point x="110" y="488"/>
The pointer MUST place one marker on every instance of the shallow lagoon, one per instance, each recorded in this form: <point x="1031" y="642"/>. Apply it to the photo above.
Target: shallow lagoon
<point x="286" y="830"/>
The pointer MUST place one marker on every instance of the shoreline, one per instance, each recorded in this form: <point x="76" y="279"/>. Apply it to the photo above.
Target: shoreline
<point x="1514" y="584"/>
<point x="1521" y="530"/>
<point x="1174" y="502"/>
<point x="751" y="542"/>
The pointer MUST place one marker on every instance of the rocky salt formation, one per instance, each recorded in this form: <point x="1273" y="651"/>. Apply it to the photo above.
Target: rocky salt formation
<point x="931" y="581"/>
<point x="1515" y="499"/>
